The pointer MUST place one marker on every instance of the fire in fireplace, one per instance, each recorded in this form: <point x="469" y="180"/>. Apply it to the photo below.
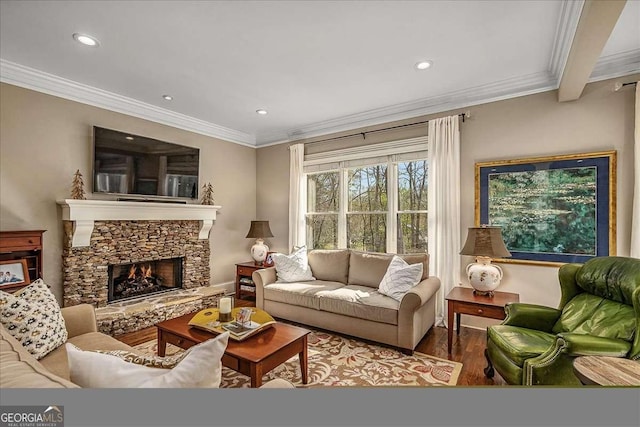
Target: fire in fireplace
<point x="144" y="278"/>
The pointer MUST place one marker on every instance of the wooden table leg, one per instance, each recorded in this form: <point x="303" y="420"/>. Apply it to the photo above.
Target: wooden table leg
<point x="256" y="375"/>
<point x="162" y="343"/>
<point x="457" y="323"/>
<point x="449" y="326"/>
<point x="304" y="367"/>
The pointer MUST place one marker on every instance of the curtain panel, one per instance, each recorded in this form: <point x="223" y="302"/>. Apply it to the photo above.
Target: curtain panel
<point x="444" y="207"/>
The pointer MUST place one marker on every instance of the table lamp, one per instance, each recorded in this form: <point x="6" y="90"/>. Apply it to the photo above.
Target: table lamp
<point x="259" y="230"/>
<point x="484" y="242"/>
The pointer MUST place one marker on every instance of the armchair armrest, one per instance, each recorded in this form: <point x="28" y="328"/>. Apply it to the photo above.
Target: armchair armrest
<point x="590" y="345"/>
<point x="531" y="316"/>
<point x="262" y="278"/>
<point x="79" y="319"/>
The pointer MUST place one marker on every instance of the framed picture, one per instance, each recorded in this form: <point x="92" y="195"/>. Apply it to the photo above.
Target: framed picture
<point x="14" y="273"/>
<point x="268" y="262"/>
<point x="552" y="210"/>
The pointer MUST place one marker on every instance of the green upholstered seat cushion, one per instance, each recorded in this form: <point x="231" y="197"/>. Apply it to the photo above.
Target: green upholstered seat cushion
<point x="592" y="315"/>
<point x="519" y="344"/>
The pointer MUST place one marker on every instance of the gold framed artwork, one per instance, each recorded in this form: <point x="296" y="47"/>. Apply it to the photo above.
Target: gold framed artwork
<point x="552" y="210"/>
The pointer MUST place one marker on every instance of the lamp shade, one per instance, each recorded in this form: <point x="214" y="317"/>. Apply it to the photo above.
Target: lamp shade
<point x="259" y="230"/>
<point x="485" y="241"/>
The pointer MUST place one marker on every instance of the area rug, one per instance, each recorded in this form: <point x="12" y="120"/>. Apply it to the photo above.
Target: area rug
<point x="335" y="360"/>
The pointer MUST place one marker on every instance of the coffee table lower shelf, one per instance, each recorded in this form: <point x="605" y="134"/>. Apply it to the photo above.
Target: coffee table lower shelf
<point x="253" y="357"/>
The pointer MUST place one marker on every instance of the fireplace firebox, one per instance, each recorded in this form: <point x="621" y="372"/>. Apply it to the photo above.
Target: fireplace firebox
<point x="144" y="278"/>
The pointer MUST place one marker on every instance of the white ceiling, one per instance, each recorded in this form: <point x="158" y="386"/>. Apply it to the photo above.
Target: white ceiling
<point x="317" y="67"/>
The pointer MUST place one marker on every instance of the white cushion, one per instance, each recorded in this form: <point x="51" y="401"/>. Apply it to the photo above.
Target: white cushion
<point x="33" y="317"/>
<point x="400" y="278"/>
<point x="294" y="267"/>
<point x="201" y="367"/>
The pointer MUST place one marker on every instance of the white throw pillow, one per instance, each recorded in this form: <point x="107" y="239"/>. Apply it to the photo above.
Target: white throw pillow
<point x="294" y="267"/>
<point x="400" y="278"/>
<point x="200" y="368"/>
<point x="33" y="317"/>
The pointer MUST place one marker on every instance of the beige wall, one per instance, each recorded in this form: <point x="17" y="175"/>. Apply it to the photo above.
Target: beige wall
<point x="529" y="126"/>
<point x="44" y="139"/>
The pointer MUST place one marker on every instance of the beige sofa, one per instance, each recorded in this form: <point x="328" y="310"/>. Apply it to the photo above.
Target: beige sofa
<point x="19" y="369"/>
<point x="344" y="298"/>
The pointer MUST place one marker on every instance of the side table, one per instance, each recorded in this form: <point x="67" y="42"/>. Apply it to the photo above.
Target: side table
<point x="463" y="301"/>
<point x="244" y="281"/>
<point x="607" y="371"/>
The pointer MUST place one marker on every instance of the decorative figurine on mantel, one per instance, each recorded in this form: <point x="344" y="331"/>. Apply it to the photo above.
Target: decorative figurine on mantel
<point x="207" y="194"/>
<point x="77" y="187"/>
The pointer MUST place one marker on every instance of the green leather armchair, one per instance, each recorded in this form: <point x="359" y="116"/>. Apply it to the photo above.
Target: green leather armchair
<point x="599" y="314"/>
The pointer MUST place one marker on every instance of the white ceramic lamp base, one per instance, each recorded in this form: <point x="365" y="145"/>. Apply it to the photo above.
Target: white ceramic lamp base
<point x="484" y="277"/>
<point x="259" y="252"/>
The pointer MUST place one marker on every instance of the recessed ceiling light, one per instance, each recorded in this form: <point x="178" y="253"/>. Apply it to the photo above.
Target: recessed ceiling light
<point x="261" y="111"/>
<point x="130" y="138"/>
<point x="168" y="97"/>
<point x="423" y="65"/>
<point x="86" y="40"/>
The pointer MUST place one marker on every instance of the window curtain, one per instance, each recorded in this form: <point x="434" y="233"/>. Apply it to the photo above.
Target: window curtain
<point x="635" y="217"/>
<point x="297" y="196"/>
<point x="444" y="207"/>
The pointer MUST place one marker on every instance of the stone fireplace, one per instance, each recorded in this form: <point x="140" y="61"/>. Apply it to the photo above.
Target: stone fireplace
<point x="137" y="263"/>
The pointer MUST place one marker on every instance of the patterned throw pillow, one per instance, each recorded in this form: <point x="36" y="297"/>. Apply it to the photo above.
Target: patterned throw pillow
<point x="294" y="267"/>
<point x="400" y="278"/>
<point x="33" y="317"/>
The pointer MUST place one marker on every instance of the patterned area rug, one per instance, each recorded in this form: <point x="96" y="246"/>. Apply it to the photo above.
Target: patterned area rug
<point x="339" y="361"/>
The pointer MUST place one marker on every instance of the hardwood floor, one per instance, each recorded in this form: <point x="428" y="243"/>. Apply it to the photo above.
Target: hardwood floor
<point x="468" y="349"/>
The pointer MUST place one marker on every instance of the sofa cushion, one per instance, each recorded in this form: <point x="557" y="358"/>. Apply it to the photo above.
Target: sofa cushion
<point x="361" y="302"/>
<point x="330" y="264"/>
<point x="294" y="267"/>
<point x="519" y="343"/>
<point x="19" y="369"/>
<point x="57" y="361"/>
<point x="367" y="268"/>
<point x="32" y="315"/>
<point x="416" y="258"/>
<point x="400" y="278"/>
<point x="200" y="367"/>
<point x="299" y="293"/>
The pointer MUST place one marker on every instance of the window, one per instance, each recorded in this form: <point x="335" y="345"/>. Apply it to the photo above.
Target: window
<point x="370" y="201"/>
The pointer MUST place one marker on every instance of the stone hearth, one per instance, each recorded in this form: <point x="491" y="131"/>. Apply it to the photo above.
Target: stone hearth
<point x="130" y="316"/>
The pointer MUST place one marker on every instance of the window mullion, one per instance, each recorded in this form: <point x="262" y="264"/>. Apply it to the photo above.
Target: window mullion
<point x="342" y="216"/>
<point x="392" y="207"/>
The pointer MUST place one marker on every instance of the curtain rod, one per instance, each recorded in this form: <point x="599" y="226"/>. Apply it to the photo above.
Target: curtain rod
<point x="464" y="115"/>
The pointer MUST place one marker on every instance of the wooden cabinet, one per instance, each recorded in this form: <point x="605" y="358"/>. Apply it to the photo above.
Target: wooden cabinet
<point x="244" y="282"/>
<point x="25" y="245"/>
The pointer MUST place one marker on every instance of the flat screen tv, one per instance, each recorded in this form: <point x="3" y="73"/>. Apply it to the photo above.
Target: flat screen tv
<point x="127" y="164"/>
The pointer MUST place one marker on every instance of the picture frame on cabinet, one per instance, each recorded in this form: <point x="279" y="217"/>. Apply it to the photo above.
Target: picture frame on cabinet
<point x="14" y="273"/>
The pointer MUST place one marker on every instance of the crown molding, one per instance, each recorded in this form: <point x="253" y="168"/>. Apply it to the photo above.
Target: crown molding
<point x="30" y="78"/>
<point x="495" y="91"/>
<point x="565" y="32"/>
<point x="617" y="65"/>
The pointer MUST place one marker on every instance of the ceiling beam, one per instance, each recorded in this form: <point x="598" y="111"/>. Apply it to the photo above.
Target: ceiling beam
<point x="597" y="20"/>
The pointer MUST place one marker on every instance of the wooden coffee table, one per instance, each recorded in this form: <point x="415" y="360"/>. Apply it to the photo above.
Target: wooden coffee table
<point x="252" y="357"/>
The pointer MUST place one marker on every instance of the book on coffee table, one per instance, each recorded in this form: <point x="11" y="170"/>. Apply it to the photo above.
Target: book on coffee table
<point x="207" y="320"/>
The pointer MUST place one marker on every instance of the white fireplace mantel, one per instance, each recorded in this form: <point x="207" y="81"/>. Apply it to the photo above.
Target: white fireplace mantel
<point x="85" y="212"/>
